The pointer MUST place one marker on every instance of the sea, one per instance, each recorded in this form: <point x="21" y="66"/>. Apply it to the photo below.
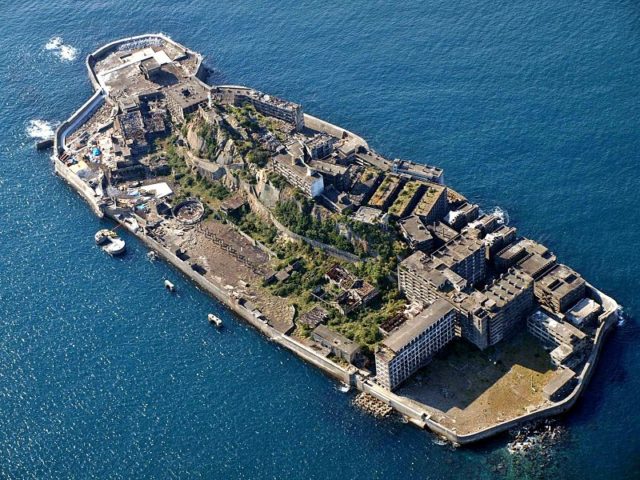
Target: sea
<point x="530" y="107"/>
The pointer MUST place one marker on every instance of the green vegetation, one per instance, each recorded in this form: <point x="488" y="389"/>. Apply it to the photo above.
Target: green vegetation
<point x="362" y="325"/>
<point x="257" y="228"/>
<point x="383" y="191"/>
<point x="258" y="156"/>
<point x="404" y="198"/>
<point x="192" y="184"/>
<point x="296" y="215"/>
<point x="277" y="180"/>
<point x="208" y="133"/>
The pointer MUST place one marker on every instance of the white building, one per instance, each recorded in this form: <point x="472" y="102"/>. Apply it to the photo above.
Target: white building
<point x="414" y="343"/>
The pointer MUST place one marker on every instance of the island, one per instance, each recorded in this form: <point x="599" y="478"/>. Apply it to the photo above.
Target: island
<point x="372" y="269"/>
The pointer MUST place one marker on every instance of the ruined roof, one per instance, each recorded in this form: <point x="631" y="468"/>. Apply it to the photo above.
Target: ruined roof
<point x="340" y="342"/>
<point x="560" y="280"/>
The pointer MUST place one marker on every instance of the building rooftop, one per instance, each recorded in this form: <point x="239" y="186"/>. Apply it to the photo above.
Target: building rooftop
<point x="442" y="231"/>
<point x="415" y="326"/>
<point x="569" y="333"/>
<point x="385" y="191"/>
<point x="418" y="170"/>
<point x="458" y="249"/>
<point x="368" y="215"/>
<point x="407" y="195"/>
<point x="297" y="167"/>
<point x="581" y="311"/>
<point x="415" y="231"/>
<point x="560" y="280"/>
<point x="508" y="286"/>
<point x="431" y="196"/>
<point x="531" y="257"/>
<point x="433" y="271"/>
<point x="187" y="93"/>
<point x="314" y="317"/>
<point x="338" y="341"/>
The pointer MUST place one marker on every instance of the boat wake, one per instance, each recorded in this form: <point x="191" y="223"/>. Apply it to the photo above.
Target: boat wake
<point x="41" y="129"/>
<point x="64" y="52"/>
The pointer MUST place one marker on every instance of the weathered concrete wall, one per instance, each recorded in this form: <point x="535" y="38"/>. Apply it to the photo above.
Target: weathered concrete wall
<point x="83" y="189"/>
<point x="323" y="126"/>
<point x="70" y="125"/>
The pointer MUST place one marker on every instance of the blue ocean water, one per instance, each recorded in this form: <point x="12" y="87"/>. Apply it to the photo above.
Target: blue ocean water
<point x="533" y="106"/>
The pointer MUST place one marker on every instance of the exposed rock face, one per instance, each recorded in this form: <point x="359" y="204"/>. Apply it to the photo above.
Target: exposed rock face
<point x="194" y="140"/>
<point x="227" y="154"/>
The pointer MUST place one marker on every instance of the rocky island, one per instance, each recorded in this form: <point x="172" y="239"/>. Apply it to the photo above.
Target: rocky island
<point x="374" y="270"/>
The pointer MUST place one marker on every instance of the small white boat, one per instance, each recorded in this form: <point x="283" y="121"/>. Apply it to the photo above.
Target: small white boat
<point x="103" y="236"/>
<point x="169" y="286"/>
<point x="152" y="255"/>
<point x="215" y="320"/>
<point x="110" y="242"/>
<point x="115" y="247"/>
<point x="344" y="388"/>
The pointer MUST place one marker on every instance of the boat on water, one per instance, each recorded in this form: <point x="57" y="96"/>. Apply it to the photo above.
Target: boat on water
<point x="102" y="236"/>
<point x="152" y="255"/>
<point x="169" y="286"/>
<point x="215" y="320"/>
<point x="110" y="242"/>
<point x="344" y="388"/>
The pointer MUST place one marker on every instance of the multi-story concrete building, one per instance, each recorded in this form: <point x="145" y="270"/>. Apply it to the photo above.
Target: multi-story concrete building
<point x="527" y="255"/>
<point x="497" y="240"/>
<point x="433" y="205"/>
<point x="414" y="343"/>
<point x="407" y="199"/>
<point x="423" y="280"/>
<point x="320" y="145"/>
<point x="489" y="316"/>
<point x="386" y="192"/>
<point x="459" y="218"/>
<point x="416" y="233"/>
<point x="185" y="98"/>
<point x="560" y="288"/>
<point x="299" y="174"/>
<point x="273" y="107"/>
<point x="418" y="171"/>
<point x="337" y="344"/>
<point x="442" y="232"/>
<point x="465" y="256"/>
<point x="569" y="341"/>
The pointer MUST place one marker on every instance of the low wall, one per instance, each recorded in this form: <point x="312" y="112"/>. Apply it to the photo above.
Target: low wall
<point x="75" y="120"/>
<point x="81" y="187"/>
<point x="323" y="126"/>
<point x="328" y="249"/>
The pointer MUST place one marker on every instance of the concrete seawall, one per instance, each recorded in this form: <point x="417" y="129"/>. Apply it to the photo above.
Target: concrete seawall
<point x="416" y="413"/>
<point x="220" y="294"/>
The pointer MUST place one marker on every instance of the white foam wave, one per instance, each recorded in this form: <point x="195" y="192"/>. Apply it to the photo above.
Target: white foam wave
<point x="622" y="319"/>
<point x="64" y="52"/>
<point x="501" y="214"/>
<point x="41" y="129"/>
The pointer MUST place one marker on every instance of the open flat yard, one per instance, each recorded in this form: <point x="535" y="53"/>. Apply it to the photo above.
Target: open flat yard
<point x="472" y="389"/>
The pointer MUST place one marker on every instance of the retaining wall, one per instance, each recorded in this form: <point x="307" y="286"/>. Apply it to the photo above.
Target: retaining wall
<point x="328" y="249"/>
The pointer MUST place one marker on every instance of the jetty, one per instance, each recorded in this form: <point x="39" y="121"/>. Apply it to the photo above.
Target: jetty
<point x="372" y="269"/>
